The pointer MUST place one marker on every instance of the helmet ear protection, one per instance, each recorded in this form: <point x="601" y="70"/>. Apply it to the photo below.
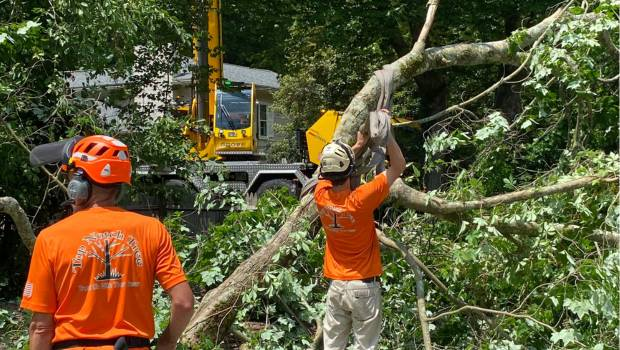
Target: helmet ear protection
<point x="79" y="187"/>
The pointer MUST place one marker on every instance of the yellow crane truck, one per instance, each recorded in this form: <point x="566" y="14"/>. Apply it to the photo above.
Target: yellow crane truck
<point x="223" y="125"/>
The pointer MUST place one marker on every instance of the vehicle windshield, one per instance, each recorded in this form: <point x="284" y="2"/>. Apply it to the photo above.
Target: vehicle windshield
<point x="233" y="110"/>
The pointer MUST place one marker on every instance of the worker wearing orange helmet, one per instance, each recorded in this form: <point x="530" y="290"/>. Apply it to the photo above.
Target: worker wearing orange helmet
<point x="91" y="275"/>
<point x="352" y="261"/>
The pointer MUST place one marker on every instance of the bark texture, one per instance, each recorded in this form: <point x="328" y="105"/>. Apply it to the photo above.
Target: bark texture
<point x="10" y="206"/>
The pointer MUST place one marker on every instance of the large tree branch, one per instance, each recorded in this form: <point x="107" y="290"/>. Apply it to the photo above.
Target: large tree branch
<point x="217" y="308"/>
<point x="416" y="62"/>
<point x="421" y="201"/>
<point x="416" y="264"/>
<point x="459" y="106"/>
<point x="9" y="205"/>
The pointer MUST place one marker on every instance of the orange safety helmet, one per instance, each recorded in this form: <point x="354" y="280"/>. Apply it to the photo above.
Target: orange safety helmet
<point x="104" y="159"/>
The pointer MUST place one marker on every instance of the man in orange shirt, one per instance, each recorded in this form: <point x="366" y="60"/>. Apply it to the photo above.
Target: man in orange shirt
<point x="352" y="260"/>
<point x="90" y="283"/>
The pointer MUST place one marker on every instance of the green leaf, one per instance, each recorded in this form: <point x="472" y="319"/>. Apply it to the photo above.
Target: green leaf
<point x="29" y="25"/>
<point x="580" y="308"/>
<point x="526" y="124"/>
<point x="565" y="335"/>
<point x="5" y="37"/>
<point x="576" y="10"/>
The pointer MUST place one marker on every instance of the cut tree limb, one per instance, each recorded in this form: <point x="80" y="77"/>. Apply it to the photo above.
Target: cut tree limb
<point x="416" y="263"/>
<point x="417" y="62"/>
<point x="216" y="311"/>
<point x="421" y="201"/>
<point x="421" y="302"/>
<point x="9" y="205"/>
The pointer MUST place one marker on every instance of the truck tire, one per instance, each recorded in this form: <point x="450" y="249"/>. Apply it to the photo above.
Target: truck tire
<point x="277" y="183"/>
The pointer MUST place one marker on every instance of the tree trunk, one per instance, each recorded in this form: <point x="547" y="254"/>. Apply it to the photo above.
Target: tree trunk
<point x="433" y="91"/>
<point x="508" y="96"/>
<point x="9" y="205"/>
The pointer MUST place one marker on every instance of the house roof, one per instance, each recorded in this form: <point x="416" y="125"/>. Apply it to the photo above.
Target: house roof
<point x="83" y="78"/>
<point x="261" y="77"/>
<point x="235" y="73"/>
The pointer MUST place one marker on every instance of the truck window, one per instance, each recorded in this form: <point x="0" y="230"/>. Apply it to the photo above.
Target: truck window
<point x="262" y="121"/>
<point x="233" y="110"/>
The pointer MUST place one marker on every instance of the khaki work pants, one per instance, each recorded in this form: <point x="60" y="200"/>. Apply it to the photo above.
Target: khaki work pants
<point x="352" y="305"/>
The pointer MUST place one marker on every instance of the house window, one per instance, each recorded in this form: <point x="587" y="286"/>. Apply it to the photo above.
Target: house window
<point x="262" y="121"/>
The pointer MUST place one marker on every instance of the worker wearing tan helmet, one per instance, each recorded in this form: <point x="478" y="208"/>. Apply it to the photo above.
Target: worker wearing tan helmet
<point x="90" y="283"/>
<point x="352" y="261"/>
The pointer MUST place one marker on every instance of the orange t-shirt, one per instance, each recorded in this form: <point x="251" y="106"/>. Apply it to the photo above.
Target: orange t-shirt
<point x="94" y="271"/>
<point x="352" y="251"/>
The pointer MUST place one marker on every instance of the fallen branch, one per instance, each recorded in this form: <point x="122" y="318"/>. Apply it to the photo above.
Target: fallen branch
<point x="9" y="205"/>
<point x="216" y="310"/>
<point x="421" y="201"/>
<point x="27" y="149"/>
<point x="415" y="263"/>
<point x="500" y="82"/>
<point x="489" y="311"/>
<point x="420" y="296"/>
<point x="217" y="307"/>
<point x="416" y="62"/>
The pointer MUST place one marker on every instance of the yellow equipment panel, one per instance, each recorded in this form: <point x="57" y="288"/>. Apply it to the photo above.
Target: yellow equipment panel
<point x="320" y="134"/>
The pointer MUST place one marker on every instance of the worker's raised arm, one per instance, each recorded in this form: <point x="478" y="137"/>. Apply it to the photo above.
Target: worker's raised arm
<point x="362" y="139"/>
<point x="397" y="160"/>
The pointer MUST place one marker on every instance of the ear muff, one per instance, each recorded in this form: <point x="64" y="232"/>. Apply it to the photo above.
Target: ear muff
<point x="79" y="187"/>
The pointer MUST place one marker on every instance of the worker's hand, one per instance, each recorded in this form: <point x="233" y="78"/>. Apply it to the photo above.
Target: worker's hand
<point x="362" y="139"/>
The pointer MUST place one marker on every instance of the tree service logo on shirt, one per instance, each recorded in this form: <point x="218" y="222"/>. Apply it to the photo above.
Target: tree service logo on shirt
<point x="105" y="248"/>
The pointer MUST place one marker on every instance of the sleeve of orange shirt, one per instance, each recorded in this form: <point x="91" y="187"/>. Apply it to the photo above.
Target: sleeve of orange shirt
<point x="371" y="194"/>
<point x="168" y="271"/>
<point x="40" y="293"/>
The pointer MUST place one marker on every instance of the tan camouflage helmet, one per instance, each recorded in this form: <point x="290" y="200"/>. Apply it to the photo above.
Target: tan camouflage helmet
<point x="336" y="160"/>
